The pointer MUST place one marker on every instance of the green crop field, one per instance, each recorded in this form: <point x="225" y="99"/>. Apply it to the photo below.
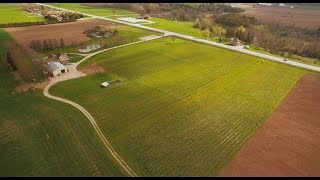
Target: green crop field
<point x="182" y="108"/>
<point x="75" y="58"/>
<point x="176" y="26"/>
<point x="182" y="27"/>
<point x="103" y="11"/>
<point x="43" y="137"/>
<point x="13" y="13"/>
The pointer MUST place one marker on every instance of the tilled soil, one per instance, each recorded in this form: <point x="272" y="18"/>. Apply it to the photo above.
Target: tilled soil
<point x="93" y="69"/>
<point x="304" y="18"/>
<point x="288" y="143"/>
<point x="71" y="33"/>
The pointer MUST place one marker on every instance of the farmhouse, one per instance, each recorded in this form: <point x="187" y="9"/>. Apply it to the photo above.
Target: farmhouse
<point x="235" y="41"/>
<point x="63" y="58"/>
<point x="265" y="4"/>
<point x="143" y="17"/>
<point x="56" y="68"/>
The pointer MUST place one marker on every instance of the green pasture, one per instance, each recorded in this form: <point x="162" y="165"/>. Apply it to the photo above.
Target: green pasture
<point x="175" y="26"/>
<point x="182" y="108"/>
<point x="44" y="137"/>
<point x="103" y="11"/>
<point x="13" y="13"/>
<point x="74" y="58"/>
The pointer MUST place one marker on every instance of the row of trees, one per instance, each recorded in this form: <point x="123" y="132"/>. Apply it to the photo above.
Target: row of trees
<point x="236" y="20"/>
<point x="273" y="38"/>
<point x="218" y="8"/>
<point x="65" y="17"/>
<point x="19" y="61"/>
<point x="172" y="11"/>
<point x="22" y="24"/>
<point x="47" y="44"/>
<point x="97" y="30"/>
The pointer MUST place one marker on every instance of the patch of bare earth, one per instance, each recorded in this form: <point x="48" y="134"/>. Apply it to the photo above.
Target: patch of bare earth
<point x="23" y="86"/>
<point x="27" y="86"/>
<point x="71" y="33"/>
<point x="288" y="143"/>
<point x="93" y="69"/>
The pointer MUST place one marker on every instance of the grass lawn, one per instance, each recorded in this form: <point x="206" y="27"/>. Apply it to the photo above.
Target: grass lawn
<point x="300" y="59"/>
<point x="43" y="137"/>
<point x="126" y="35"/>
<point x="103" y="11"/>
<point x="175" y="26"/>
<point x="75" y="58"/>
<point x="182" y="27"/>
<point x="182" y="108"/>
<point x="13" y="13"/>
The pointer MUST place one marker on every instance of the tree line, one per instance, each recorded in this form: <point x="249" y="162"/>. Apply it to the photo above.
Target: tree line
<point x="20" y="62"/>
<point x="219" y="8"/>
<point x="172" y="11"/>
<point x="65" y="17"/>
<point x="18" y="24"/>
<point x="47" y="44"/>
<point x="274" y="38"/>
<point x="97" y="30"/>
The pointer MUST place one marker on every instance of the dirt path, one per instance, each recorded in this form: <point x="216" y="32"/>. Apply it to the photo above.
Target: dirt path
<point x="74" y="73"/>
<point x="97" y="129"/>
<point x="288" y="143"/>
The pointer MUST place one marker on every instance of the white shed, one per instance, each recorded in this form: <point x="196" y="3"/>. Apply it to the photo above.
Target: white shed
<point x="56" y="68"/>
<point x="105" y="84"/>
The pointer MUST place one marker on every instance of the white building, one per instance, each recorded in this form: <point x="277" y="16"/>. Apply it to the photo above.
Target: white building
<point x="235" y="41"/>
<point x="282" y="5"/>
<point x="131" y="19"/>
<point x="105" y="84"/>
<point x="56" y="68"/>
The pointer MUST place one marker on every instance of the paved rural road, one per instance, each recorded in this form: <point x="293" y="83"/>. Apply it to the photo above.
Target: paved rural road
<point x="168" y="33"/>
<point x="74" y="73"/>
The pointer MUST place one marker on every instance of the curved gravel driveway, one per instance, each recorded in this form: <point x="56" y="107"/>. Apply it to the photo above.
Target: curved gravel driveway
<point x="74" y="73"/>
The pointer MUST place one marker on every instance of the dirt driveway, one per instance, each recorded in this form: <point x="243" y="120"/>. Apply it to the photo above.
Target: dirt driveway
<point x="288" y="143"/>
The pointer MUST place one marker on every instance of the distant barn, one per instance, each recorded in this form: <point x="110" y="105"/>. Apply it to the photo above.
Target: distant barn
<point x="56" y="68"/>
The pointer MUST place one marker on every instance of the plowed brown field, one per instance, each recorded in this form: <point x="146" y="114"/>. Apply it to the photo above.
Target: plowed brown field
<point x="72" y="33"/>
<point x="305" y="18"/>
<point x="288" y="143"/>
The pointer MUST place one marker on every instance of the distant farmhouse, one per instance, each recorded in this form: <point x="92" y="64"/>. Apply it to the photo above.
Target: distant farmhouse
<point x="62" y="58"/>
<point x="53" y="14"/>
<point x="264" y="4"/>
<point x="143" y="17"/>
<point x="235" y="41"/>
<point x="56" y="68"/>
